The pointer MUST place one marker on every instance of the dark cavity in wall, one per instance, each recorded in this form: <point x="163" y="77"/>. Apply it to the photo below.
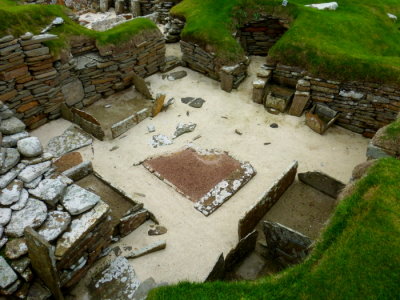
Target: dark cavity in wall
<point x="257" y="37"/>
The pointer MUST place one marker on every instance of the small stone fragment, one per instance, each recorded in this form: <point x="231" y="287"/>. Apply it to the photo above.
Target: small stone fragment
<point x="158" y="230"/>
<point x="184" y="128"/>
<point x="176" y="75"/>
<point x="78" y="200"/>
<point x="30" y="147"/>
<point x="237" y="131"/>
<point x="160" y="140"/>
<point x="274" y="125"/>
<point x="187" y="100"/>
<point x="151" y="128"/>
<point x="197" y="103"/>
<point x="16" y="248"/>
<point x="114" y="148"/>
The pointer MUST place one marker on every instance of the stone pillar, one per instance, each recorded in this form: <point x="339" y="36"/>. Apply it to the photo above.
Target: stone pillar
<point x="41" y="254"/>
<point x="135" y="8"/>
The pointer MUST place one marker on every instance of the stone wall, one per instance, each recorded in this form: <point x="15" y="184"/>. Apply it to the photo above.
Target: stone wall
<point x="364" y="107"/>
<point x="202" y="61"/>
<point x="257" y="37"/>
<point x="161" y="7"/>
<point x="34" y="83"/>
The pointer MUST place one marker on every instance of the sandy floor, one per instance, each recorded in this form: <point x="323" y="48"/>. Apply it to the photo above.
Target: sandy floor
<point x="194" y="241"/>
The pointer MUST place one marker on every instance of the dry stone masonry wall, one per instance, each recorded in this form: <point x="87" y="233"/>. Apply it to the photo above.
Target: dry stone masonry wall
<point x="363" y="107"/>
<point x="34" y="83"/>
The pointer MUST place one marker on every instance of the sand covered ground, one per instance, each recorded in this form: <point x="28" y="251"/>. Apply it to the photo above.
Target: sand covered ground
<point x="194" y="242"/>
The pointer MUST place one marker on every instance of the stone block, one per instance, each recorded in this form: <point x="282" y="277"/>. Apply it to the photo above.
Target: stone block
<point x="73" y="92"/>
<point x="322" y="182"/>
<point x="299" y="103"/>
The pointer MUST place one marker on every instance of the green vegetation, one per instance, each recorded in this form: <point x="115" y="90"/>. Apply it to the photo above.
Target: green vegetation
<point x="18" y="19"/>
<point x="356" y="258"/>
<point x="393" y="130"/>
<point x="356" y="42"/>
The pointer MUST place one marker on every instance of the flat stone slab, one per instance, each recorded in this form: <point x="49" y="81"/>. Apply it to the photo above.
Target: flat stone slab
<point x="12" y="125"/>
<point x="78" y="200"/>
<point x="322" y="182"/>
<point x="7" y="274"/>
<point x="12" y="140"/>
<point x="160" y="245"/>
<point x="73" y="138"/>
<point x="32" y="215"/>
<point x="32" y="172"/>
<point x="57" y="222"/>
<point x="11" y="193"/>
<point x="30" y="147"/>
<point x="49" y="190"/>
<point x="177" y="75"/>
<point x="80" y="227"/>
<point x="117" y="281"/>
<point x="193" y="102"/>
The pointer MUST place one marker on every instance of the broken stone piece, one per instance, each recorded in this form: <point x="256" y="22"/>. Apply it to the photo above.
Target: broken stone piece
<point x="187" y="100"/>
<point x="16" y="248"/>
<point x="177" y="75"/>
<point x="160" y="140"/>
<point x="274" y="125"/>
<point x="12" y="140"/>
<point x="184" y="128"/>
<point x="160" y="245"/>
<point x="158" y="230"/>
<point x="57" y="222"/>
<point x="32" y="215"/>
<point x="20" y="265"/>
<point x="10" y="160"/>
<point x="7" y="274"/>
<point x="197" y="103"/>
<point x="30" y="147"/>
<point x="151" y="128"/>
<point x="49" y="190"/>
<point x="78" y="200"/>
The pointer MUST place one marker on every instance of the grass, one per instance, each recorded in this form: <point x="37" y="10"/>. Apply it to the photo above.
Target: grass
<point x="393" y="130"/>
<point x="356" y="42"/>
<point x="18" y="19"/>
<point x="356" y="258"/>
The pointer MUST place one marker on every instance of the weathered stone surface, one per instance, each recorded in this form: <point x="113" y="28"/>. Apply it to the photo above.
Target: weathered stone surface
<point x="197" y="103"/>
<point x="184" y="128"/>
<point x="30" y="147"/>
<point x="286" y="245"/>
<point x="10" y="175"/>
<point x="160" y="140"/>
<point x="177" y="75"/>
<point x="32" y="172"/>
<point x="158" y="230"/>
<point x="11" y="159"/>
<point x="33" y="184"/>
<point x="39" y="39"/>
<point x="3" y="241"/>
<point x="49" y="190"/>
<point x="73" y="138"/>
<point x="276" y="103"/>
<point x="80" y="227"/>
<point x="251" y="218"/>
<point x="20" y="265"/>
<point x="132" y="221"/>
<point x="390" y="144"/>
<point x="117" y="281"/>
<point x="38" y="291"/>
<point x="141" y="86"/>
<point x="57" y="222"/>
<point x="300" y="101"/>
<point x="218" y="271"/>
<point x="21" y="203"/>
<point x="7" y="274"/>
<point x="79" y="171"/>
<point x="322" y="182"/>
<point x="11" y="193"/>
<point x="6" y="113"/>
<point x="32" y="215"/>
<point x="42" y="259"/>
<point x="5" y="216"/>
<point x="11" y="140"/>
<point x="73" y="92"/>
<point x="160" y="245"/>
<point x="374" y="152"/>
<point x="158" y="104"/>
<point x="11" y="126"/>
<point x="242" y="249"/>
<point x="78" y="200"/>
<point x="16" y="248"/>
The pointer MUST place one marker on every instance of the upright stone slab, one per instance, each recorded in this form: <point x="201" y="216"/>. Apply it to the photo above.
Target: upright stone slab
<point x="300" y="101"/>
<point x="42" y="259"/>
<point x="323" y="183"/>
<point x="141" y="86"/>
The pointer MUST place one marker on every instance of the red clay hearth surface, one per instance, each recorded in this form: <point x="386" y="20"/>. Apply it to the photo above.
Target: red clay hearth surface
<point x="207" y="178"/>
